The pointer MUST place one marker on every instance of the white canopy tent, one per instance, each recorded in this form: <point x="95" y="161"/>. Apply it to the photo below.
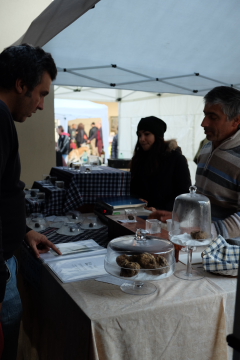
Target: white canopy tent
<point x="175" y="47"/>
<point x="169" y="46"/>
<point x="66" y="110"/>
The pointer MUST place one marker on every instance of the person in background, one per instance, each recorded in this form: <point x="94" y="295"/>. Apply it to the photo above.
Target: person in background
<point x="218" y="171"/>
<point x="26" y="74"/>
<point x="73" y="131"/>
<point x="63" y="146"/>
<point x="93" y="136"/>
<point x="93" y="130"/>
<point x="81" y="136"/>
<point x="115" y="147"/>
<point x="99" y="142"/>
<point x="99" y="139"/>
<point x="159" y="172"/>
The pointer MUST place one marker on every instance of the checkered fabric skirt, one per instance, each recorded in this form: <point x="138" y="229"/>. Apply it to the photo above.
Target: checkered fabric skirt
<point x="54" y="200"/>
<point x="53" y="204"/>
<point x="220" y="256"/>
<point x="87" y="188"/>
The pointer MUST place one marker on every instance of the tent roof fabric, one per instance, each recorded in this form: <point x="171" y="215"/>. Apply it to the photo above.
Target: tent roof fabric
<point x="185" y="47"/>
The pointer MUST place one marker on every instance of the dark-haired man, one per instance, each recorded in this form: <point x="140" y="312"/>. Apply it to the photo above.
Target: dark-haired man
<point x="218" y="171"/>
<point x="26" y="73"/>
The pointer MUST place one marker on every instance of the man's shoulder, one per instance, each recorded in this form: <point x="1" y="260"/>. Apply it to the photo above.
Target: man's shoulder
<point x="4" y="110"/>
<point x="6" y="119"/>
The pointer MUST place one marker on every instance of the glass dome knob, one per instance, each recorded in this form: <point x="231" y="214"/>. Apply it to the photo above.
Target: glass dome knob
<point x="140" y="234"/>
<point x="193" y="189"/>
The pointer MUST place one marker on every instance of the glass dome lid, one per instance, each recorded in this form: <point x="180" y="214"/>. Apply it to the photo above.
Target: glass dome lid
<point x="140" y="243"/>
<point x="192" y="216"/>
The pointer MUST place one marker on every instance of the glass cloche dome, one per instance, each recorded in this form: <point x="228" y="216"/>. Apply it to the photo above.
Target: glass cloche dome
<point x="191" y="226"/>
<point x="140" y="259"/>
<point x="191" y="217"/>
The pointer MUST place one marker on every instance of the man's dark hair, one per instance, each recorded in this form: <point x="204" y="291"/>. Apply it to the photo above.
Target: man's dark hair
<point x="93" y="123"/>
<point x="27" y="63"/>
<point x="227" y="97"/>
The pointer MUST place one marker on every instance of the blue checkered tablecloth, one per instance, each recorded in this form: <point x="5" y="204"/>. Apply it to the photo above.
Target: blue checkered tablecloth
<point x="85" y="188"/>
<point x="220" y="256"/>
<point x="54" y="200"/>
<point x="99" y="235"/>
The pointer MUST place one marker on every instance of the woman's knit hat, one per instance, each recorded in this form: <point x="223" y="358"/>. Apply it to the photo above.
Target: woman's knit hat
<point x="152" y="124"/>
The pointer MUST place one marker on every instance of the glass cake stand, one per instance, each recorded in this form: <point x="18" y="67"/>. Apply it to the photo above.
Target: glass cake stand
<point x="140" y="259"/>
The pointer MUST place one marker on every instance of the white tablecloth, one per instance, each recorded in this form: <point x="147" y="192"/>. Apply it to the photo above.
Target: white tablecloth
<point x="91" y="320"/>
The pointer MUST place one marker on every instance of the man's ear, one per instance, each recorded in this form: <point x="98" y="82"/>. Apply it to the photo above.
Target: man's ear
<point x="19" y="86"/>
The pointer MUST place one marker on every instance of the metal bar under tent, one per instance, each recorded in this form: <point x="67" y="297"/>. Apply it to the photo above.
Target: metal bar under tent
<point x="149" y="79"/>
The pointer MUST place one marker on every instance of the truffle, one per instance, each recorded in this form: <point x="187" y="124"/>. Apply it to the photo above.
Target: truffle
<point x="130" y="269"/>
<point x="161" y="261"/>
<point x="199" y="235"/>
<point x="162" y="265"/>
<point x="91" y="225"/>
<point x="37" y="225"/>
<point x="147" y="261"/>
<point x="122" y="259"/>
<point x="130" y="217"/>
<point x="133" y="258"/>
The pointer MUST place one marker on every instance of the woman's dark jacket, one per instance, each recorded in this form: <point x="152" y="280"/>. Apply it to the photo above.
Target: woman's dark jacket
<point x="162" y="186"/>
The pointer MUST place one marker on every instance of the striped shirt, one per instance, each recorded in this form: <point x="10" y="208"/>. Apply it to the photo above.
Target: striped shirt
<point x="218" y="178"/>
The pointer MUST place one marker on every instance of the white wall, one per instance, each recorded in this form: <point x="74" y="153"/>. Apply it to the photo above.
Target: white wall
<point x="37" y="143"/>
<point x="16" y="16"/>
<point x="183" y="115"/>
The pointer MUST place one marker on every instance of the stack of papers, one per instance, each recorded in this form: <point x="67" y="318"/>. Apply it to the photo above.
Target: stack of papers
<point x="81" y="260"/>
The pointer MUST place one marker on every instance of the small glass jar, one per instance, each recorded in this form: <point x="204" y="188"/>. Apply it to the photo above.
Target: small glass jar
<point x="192" y="216"/>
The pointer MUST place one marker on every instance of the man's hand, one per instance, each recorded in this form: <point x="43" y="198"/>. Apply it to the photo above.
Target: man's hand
<point x="39" y="243"/>
<point x="150" y="208"/>
<point x="146" y="206"/>
<point x="161" y="215"/>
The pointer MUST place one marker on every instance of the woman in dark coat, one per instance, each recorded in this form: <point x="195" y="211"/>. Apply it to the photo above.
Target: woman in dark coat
<point x="159" y="170"/>
<point x="81" y="136"/>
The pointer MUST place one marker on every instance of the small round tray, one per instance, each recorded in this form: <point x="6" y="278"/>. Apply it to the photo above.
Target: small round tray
<point x="95" y="227"/>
